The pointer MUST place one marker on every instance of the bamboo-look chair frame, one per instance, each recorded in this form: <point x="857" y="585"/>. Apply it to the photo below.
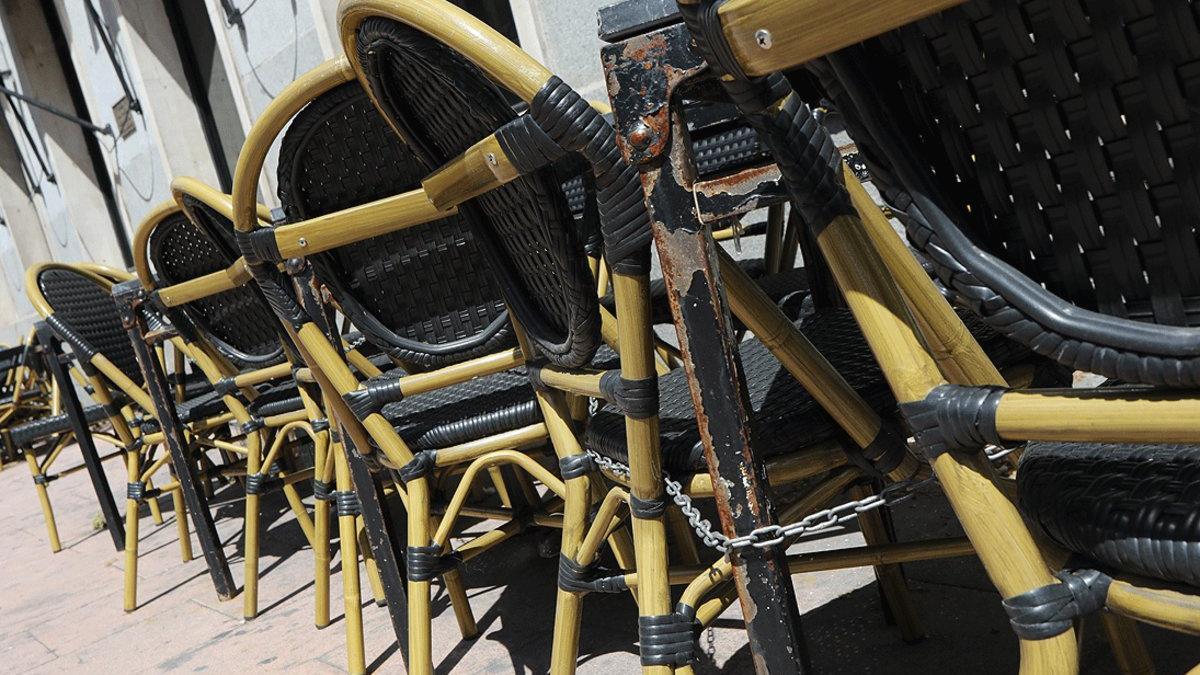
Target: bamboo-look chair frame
<point x="29" y="395"/>
<point x="329" y="470"/>
<point x="463" y="178"/>
<point x="922" y="344"/>
<point x="108" y="383"/>
<point x="337" y="378"/>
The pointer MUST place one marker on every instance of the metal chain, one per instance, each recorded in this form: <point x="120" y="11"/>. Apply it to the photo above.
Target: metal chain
<point x="772" y="535"/>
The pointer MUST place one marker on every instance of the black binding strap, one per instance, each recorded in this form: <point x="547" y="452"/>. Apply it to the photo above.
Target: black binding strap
<point x="1049" y="610"/>
<point x="574" y="466"/>
<point x="576" y="578"/>
<point x="253" y="424"/>
<point x="346" y="502"/>
<point x="258" y="483"/>
<point x="635" y="398"/>
<point x="320" y="424"/>
<point x="533" y="370"/>
<point x="225" y="386"/>
<point x="647" y="508"/>
<point x="884" y="453"/>
<point x="322" y="491"/>
<point x="258" y="246"/>
<point x="421" y="465"/>
<point x="42" y="479"/>
<point x="527" y="146"/>
<point x="425" y="563"/>
<point x="372" y="395"/>
<point x="576" y="126"/>
<point x="666" y="639"/>
<point x="954" y="417"/>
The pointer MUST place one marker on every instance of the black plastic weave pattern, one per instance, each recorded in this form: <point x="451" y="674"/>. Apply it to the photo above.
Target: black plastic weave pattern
<point x="238" y="321"/>
<point x="443" y="105"/>
<point x="427" y="284"/>
<point x="1069" y="135"/>
<point x="87" y="308"/>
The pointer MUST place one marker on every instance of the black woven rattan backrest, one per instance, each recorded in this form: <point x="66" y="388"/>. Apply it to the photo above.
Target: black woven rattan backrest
<point x="237" y="322"/>
<point x="1064" y="133"/>
<point x="86" y="308"/>
<point x="424" y="294"/>
<point x="443" y="105"/>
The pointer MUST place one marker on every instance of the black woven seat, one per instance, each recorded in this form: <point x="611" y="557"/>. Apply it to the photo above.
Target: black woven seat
<point x="1046" y="154"/>
<point x="463" y="412"/>
<point x="238" y="321"/>
<point x="1135" y="508"/>
<point x="26" y="434"/>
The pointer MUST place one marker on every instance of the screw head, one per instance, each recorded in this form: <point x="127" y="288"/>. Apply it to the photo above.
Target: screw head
<point x="763" y="37"/>
<point x="302" y="242"/>
<point x="641" y="135"/>
<point x="491" y="158"/>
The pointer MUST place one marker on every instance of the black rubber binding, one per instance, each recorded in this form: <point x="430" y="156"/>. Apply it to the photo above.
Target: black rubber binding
<point x="953" y="417"/>
<point x="421" y="465"/>
<point x="646" y="508"/>
<point x="42" y="479"/>
<point x="883" y="454"/>
<point x="225" y="386"/>
<point x="574" y="466"/>
<point x="636" y="398"/>
<point x="322" y="491"/>
<point x="1050" y="610"/>
<point x="576" y="578"/>
<point x="135" y="491"/>
<point x="283" y="303"/>
<point x="320" y="424"/>
<point x="258" y="483"/>
<point x="253" y="424"/>
<point x="258" y="246"/>
<point x="346" y="502"/>
<point x="425" y="563"/>
<point x="575" y="125"/>
<point x="666" y="639"/>
<point x="527" y="145"/>
<point x="372" y="395"/>
<point x="533" y="370"/>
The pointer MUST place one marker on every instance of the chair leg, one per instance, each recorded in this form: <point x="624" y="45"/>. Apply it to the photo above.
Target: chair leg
<point x="1127" y="645"/>
<point x="892" y="584"/>
<point x="152" y="502"/>
<point x="351" y="590"/>
<point x="321" y="562"/>
<point x="568" y="606"/>
<point x="420" y="647"/>
<point x="181" y="525"/>
<point x="132" y="461"/>
<point x="39" y="483"/>
<point x="251" y="529"/>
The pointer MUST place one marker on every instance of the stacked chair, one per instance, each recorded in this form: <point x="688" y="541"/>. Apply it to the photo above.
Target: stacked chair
<point x="456" y="293"/>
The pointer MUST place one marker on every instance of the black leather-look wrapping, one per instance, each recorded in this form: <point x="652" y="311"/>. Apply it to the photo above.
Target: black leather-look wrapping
<point x="527" y="145"/>
<point x="422" y="464"/>
<point x="646" y="508"/>
<point x="258" y="246"/>
<point x="636" y="398"/>
<point x="425" y="563"/>
<point x="135" y="491"/>
<point x="953" y="417"/>
<point x="258" y="483"/>
<point x="575" y="125"/>
<point x="322" y="491"/>
<point x="373" y="395"/>
<point x="666" y="639"/>
<point x="592" y="578"/>
<point x="574" y="466"/>
<point x="884" y="453"/>
<point x="346" y="502"/>
<point x="1049" y="610"/>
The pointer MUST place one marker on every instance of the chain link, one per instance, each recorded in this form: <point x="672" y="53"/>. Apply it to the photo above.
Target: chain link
<point x="772" y="535"/>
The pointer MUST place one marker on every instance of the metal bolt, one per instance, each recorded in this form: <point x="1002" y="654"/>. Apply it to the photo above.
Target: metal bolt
<point x="491" y="158"/>
<point x="763" y="37"/>
<point x="641" y="135"/>
<point x="302" y="242"/>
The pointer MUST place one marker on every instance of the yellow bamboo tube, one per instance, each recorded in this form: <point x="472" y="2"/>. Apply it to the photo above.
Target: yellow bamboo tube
<point x="632" y="295"/>
<point x="1005" y="546"/>
<point x="953" y="346"/>
<point x="324" y="472"/>
<point x="133" y="473"/>
<point x="1160" y="607"/>
<point x="44" y="500"/>
<point x="152" y="502"/>
<point x="351" y="592"/>
<point x="181" y="525"/>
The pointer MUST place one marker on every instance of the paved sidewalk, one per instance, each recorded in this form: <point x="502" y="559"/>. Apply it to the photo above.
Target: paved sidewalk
<point x="62" y="613"/>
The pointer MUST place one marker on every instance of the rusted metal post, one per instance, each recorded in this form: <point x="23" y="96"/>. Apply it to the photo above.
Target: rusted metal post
<point x="643" y="73"/>
<point x="129" y="297"/>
